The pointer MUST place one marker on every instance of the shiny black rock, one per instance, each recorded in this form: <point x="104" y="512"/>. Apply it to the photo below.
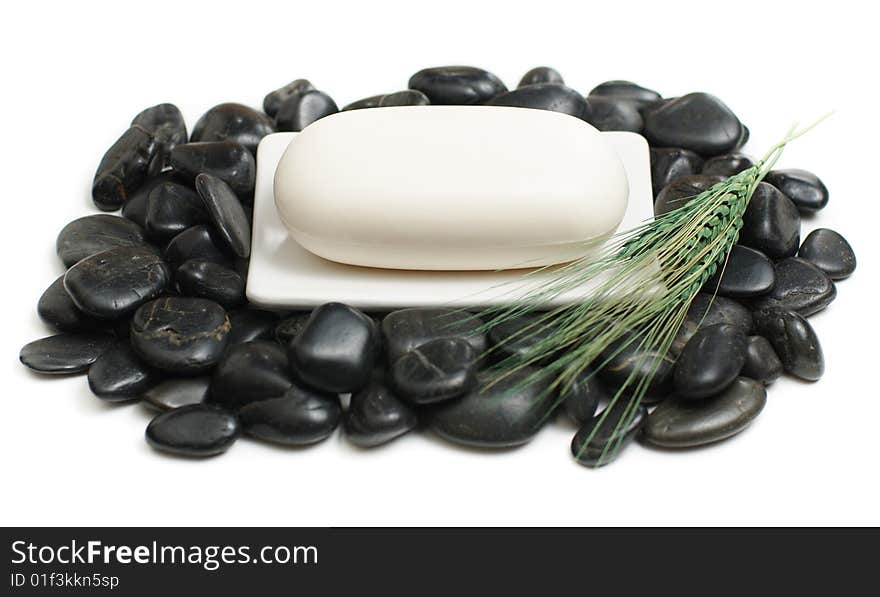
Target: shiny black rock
<point x="117" y="281"/>
<point x="677" y="193"/>
<point x="710" y="361"/>
<point x="805" y="189"/>
<point x="696" y="121"/>
<point x="747" y="273"/>
<point x="336" y="349"/>
<point x="233" y="122"/>
<point x="518" y="336"/>
<point x="65" y="353"/>
<point x="88" y="235"/>
<point x="226" y="212"/>
<point x="610" y="114"/>
<point x="165" y="122"/>
<point x="300" y="110"/>
<point x="176" y="392"/>
<point x="541" y="74"/>
<point x="171" y="209"/>
<point x="119" y="375"/>
<point x="229" y="161"/>
<point x="800" y="286"/>
<point x="762" y="363"/>
<point x="582" y="398"/>
<point x="178" y="334"/>
<point x="543" y="96"/>
<point x="672" y="163"/>
<point x="274" y="99"/>
<point x="376" y="416"/>
<point x="727" y="165"/>
<point x="438" y="370"/>
<point x="251" y="324"/>
<point x="298" y="417"/>
<point x="705" y="311"/>
<point x="457" y="85"/>
<point x="626" y="90"/>
<point x="194" y="430"/>
<point x="198" y="242"/>
<point x="124" y="168"/>
<point x="250" y="372"/>
<point x="408" y="97"/>
<point x="599" y="441"/>
<point x="794" y="341"/>
<point x="367" y="102"/>
<point x="771" y="224"/>
<point x="211" y="281"/>
<point x="627" y="362"/>
<point x="135" y="208"/>
<point x="405" y="329"/>
<point x="58" y="310"/>
<point x="830" y="252"/>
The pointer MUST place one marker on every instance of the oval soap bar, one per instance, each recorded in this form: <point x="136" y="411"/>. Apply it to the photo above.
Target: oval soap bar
<point x="450" y="187"/>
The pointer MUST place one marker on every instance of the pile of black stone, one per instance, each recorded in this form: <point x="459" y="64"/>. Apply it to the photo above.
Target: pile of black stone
<point x="153" y="303"/>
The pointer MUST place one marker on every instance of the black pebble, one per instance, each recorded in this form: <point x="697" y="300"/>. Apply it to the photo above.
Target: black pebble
<point x="727" y="165"/>
<point x="696" y="121"/>
<point x="610" y="114"/>
<point x="582" y="398"/>
<point x="210" y="280"/>
<point x="176" y="392"/>
<point x="408" y="97"/>
<point x="290" y="327"/>
<point x="250" y="372"/>
<point x="229" y="161"/>
<point x="367" y="102"/>
<point x="830" y="252"/>
<point x="627" y="362"/>
<point x="233" y="122"/>
<point x="677" y="193"/>
<point x="124" y="168"/>
<point x="672" y="163"/>
<point x="171" y="209"/>
<point x="300" y="110"/>
<point x="457" y="85"/>
<point x="376" y="416"/>
<point x="405" y="329"/>
<point x="298" y="417"/>
<point x="88" y="235"/>
<point x="794" y="341"/>
<point x="274" y="99"/>
<point x="165" y="122"/>
<point x="800" y="286"/>
<point x="438" y="370"/>
<point x="248" y="325"/>
<point x="705" y="311"/>
<point x="226" y="212"/>
<point x="194" y="430"/>
<point x="199" y="242"/>
<point x="543" y="96"/>
<point x="626" y="90"/>
<point x="119" y="375"/>
<point x="58" y="310"/>
<point x="805" y="189"/>
<point x="65" y="353"/>
<point x="517" y="337"/>
<point x="762" y="363"/>
<point x="710" y="361"/>
<point x="747" y="273"/>
<point x="541" y="74"/>
<point x="136" y="206"/>
<point x="771" y="223"/>
<point x="599" y="441"/>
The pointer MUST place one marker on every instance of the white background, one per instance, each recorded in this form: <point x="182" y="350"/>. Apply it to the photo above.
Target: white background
<point x="74" y="77"/>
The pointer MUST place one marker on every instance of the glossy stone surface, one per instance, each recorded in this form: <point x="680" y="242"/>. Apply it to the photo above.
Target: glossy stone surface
<point x="435" y="371"/>
<point x="582" y="398"/>
<point x="794" y="341"/>
<point x="507" y="414"/>
<point x="771" y="223"/>
<point x="830" y="252"/>
<point x="727" y="165"/>
<point x="336" y="349"/>
<point x="626" y="90"/>
<point x="194" y="430"/>
<point x="685" y="424"/>
<point x="408" y="97"/>
<point x="119" y="375"/>
<point x="300" y="110"/>
<point x="298" y="417"/>
<point x="178" y="334"/>
<point x="227" y="213"/>
<point x="135" y="207"/>
<point x="543" y="96"/>
<point x="376" y="416"/>
<point x="248" y="325"/>
<point x="677" y="193"/>
<point x="290" y="327"/>
<point x="805" y="189"/>
<point x="610" y="114"/>
<point x="58" y="310"/>
<point x="601" y="439"/>
<point x="762" y="363"/>
<point x="747" y="273"/>
<point x="250" y="372"/>
<point x="171" y="209"/>
<point x="800" y="286"/>
<point x="625" y="358"/>
<point x="367" y="102"/>
<point x="704" y="311"/>
<point x="65" y="353"/>
<point x="83" y="237"/>
<point x="274" y="99"/>
<point x="117" y="281"/>
<point x="229" y="161"/>
<point x="696" y="121"/>
<point x="176" y="392"/>
<point x="199" y="242"/>
<point x="541" y="74"/>
<point x="233" y="122"/>
<point x="405" y="329"/>
<point x="710" y="361"/>
<point x="211" y="281"/>
<point x="457" y="85"/>
<point x="518" y="336"/>
<point x="165" y="122"/>
<point x="123" y="168"/>
<point x="672" y="163"/>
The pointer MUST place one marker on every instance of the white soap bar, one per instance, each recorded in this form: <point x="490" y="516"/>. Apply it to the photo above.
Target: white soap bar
<point x="450" y="187"/>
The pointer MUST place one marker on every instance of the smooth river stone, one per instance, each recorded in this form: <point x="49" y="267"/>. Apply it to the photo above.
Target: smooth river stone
<point x="367" y="102"/>
<point x="696" y="121"/>
<point x="300" y="110"/>
<point x="435" y="371"/>
<point x="136" y="206"/>
<point x="171" y="209"/>
<point x="830" y="252"/>
<point x="177" y="392"/>
<point x="624" y="358"/>
<point x="233" y="122"/>
<point x="710" y="361"/>
<point x="211" y="281"/>
<point x="274" y="99"/>
<point x="229" y="161"/>
<point x="457" y="85"/>
<point x="704" y="311"/>
<point x="685" y="424"/>
<point x="408" y="97"/>
<point x="541" y="74"/>
<point x="336" y="349"/>
<point x="543" y="96"/>
<point x="771" y="223"/>
<point x="250" y="372"/>
<point x="601" y="439"/>
<point x="507" y="414"/>
<point x="194" y="430"/>
<point x="582" y="398"/>
<point x="794" y="341"/>
<point x="805" y="189"/>
<point x="88" y="235"/>
<point x="298" y="417"/>
<point x="609" y="114"/>
<point x="626" y="90"/>
<point x="119" y="375"/>
<point x="58" y="310"/>
<point x="405" y="329"/>
<point x="376" y="416"/>
<point x="748" y="273"/>
<point x="762" y="363"/>
<point x="800" y="286"/>
<point x="672" y="163"/>
<point x="517" y="337"/>
<point x="165" y="122"/>
<point x="727" y="165"/>
<point x="199" y="242"/>
<point x="226" y="212"/>
<point x="124" y="168"/>
<point x="117" y="281"/>
<point x="65" y="353"/>
<point x="677" y="193"/>
<point x="248" y="325"/>
<point x="178" y="334"/>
